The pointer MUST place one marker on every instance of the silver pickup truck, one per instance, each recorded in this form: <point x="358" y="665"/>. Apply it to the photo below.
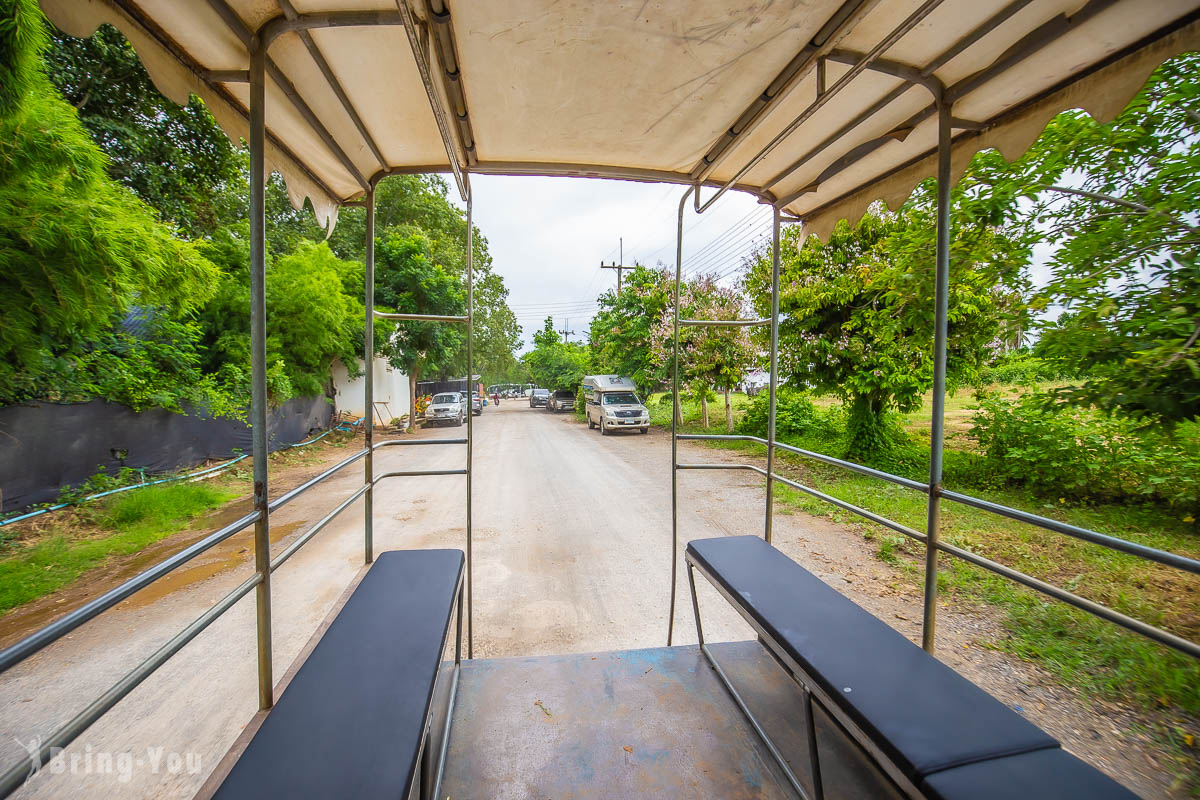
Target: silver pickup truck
<point x="612" y="404"/>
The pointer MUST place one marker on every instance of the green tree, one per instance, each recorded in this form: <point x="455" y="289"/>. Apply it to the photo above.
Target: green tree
<point x="314" y="315"/>
<point x="554" y="364"/>
<point x="1119" y="201"/>
<point x="621" y="330"/>
<point x="712" y="357"/>
<point x="176" y="158"/>
<point x="858" y="309"/>
<point x="78" y="252"/>
<point x="409" y="281"/>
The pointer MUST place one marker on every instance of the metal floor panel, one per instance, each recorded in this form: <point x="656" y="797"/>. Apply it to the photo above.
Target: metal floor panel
<point x="638" y="723"/>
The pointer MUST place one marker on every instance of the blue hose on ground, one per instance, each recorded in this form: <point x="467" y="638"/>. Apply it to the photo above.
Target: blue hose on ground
<point x="200" y="474"/>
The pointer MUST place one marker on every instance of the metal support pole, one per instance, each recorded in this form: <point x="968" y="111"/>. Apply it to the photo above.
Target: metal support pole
<point x="470" y="415"/>
<point x="258" y="366"/>
<point x="675" y="411"/>
<point x="940" y="324"/>
<point x="369" y="381"/>
<point x="774" y="381"/>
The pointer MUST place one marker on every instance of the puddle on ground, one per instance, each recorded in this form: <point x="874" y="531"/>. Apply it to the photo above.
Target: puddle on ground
<point x="233" y="552"/>
<point x="229" y="554"/>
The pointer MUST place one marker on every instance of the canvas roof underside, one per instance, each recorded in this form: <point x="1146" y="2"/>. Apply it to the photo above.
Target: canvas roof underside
<point x="698" y="91"/>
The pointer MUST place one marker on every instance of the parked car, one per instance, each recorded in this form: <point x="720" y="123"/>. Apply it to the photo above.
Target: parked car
<point x="446" y="408"/>
<point x="476" y="404"/>
<point x="562" y="400"/>
<point x="539" y="397"/>
<point x="613" y="405"/>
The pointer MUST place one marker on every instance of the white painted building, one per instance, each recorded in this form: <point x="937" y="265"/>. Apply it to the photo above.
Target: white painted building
<point x="391" y="387"/>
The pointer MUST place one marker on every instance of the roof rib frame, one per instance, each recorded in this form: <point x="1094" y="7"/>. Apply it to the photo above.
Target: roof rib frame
<point x="1040" y="37"/>
<point x="885" y="44"/>
<point x="318" y="57"/>
<point x="213" y="80"/>
<point x="243" y="32"/>
<point x="1034" y="42"/>
<point x="810" y="55"/>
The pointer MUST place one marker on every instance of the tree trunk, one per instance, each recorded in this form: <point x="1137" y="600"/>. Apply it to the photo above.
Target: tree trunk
<point x="412" y="399"/>
<point x="868" y="441"/>
<point x="704" y="407"/>
<point x="728" y="411"/>
<point x="678" y="410"/>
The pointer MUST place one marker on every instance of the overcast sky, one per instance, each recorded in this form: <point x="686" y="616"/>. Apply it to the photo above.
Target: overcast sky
<point x="548" y="236"/>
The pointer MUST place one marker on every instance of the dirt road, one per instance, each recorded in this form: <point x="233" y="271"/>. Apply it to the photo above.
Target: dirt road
<point x="572" y="554"/>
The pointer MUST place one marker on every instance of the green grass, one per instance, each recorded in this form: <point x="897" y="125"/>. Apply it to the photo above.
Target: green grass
<point x="1081" y="650"/>
<point x="1097" y="657"/>
<point x="121" y="525"/>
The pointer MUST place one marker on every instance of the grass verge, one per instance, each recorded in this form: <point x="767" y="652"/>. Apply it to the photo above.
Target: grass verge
<point x="123" y="524"/>
<point x="1085" y="652"/>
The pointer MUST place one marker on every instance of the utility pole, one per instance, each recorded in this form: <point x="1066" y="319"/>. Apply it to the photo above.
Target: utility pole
<point x="619" y="267"/>
<point x="565" y="333"/>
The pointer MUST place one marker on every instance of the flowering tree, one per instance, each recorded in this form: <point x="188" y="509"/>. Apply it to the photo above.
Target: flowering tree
<point x="711" y="357"/>
<point x="858" y="309"/>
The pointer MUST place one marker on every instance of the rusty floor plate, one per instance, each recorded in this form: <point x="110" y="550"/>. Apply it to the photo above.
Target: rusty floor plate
<point x="637" y="723"/>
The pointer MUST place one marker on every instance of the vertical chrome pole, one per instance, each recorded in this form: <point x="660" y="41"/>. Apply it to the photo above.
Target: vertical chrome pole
<point x="369" y="381"/>
<point x="940" y="324"/>
<point x="470" y="415"/>
<point x="773" y="383"/>
<point x="258" y="366"/>
<point x="675" y="412"/>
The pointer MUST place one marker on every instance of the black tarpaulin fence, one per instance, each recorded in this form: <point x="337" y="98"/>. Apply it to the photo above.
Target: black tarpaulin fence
<point x="47" y="446"/>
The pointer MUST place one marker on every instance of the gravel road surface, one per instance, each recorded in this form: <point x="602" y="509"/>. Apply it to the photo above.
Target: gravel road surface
<point x="571" y="554"/>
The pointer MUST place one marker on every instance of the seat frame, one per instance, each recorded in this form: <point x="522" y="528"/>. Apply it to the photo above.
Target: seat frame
<point x="813" y="696"/>
<point x="426" y="769"/>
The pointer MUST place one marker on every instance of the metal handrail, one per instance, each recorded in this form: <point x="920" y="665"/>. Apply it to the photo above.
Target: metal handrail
<point x="16" y="775"/>
<point x="16" y="653"/>
<point x="395" y="442"/>
<point x="414" y="473"/>
<point x="301" y="540"/>
<point x="871" y="515"/>
<point x="723" y="323"/>
<point x="837" y="462"/>
<point x="421" y="317"/>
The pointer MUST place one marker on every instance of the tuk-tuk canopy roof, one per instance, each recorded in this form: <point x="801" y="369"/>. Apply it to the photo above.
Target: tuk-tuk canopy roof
<point x="818" y="106"/>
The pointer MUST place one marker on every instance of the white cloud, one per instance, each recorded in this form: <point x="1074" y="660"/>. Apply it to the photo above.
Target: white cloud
<point x="548" y="236"/>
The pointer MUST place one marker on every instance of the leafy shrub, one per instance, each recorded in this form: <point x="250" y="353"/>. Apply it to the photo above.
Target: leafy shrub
<point x="1084" y="455"/>
<point x="1021" y="367"/>
<point x="795" y="415"/>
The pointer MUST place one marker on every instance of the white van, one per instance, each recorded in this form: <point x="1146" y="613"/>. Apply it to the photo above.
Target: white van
<point x="613" y="404"/>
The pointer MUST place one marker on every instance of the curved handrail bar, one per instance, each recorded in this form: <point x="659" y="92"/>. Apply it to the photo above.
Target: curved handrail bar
<point x="750" y="467"/>
<point x="837" y="462"/>
<point x="290" y="550"/>
<point x="416" y="473"/>
<point x="1104" y="540"/>
<point x="18" y="652"/>
<point x="1104" y="612"/>
<point x="291" y="495"/>
<point x="15" y="654"/>
<point x="398" y="442"/>
<point x="12" y="778"/>
<point x="862" y="512"/>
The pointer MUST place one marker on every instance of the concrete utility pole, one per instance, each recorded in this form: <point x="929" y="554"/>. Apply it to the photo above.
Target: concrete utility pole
<point x="618" y="267"/>
<point x="565" y="333"/>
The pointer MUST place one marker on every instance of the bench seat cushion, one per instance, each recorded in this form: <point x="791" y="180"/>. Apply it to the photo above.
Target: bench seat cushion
<point x="1041" y="774"/>
<point x="924" y="716"/>
<point x="350" y="722"/>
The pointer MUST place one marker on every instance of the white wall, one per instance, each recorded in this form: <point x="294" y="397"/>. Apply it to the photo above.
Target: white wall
<point x="391" y="387"/>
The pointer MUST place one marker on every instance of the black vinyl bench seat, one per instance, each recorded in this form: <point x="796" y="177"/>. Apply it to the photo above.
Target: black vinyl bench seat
<point x="354" y="720"/>
<point x="936" y="733"/>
